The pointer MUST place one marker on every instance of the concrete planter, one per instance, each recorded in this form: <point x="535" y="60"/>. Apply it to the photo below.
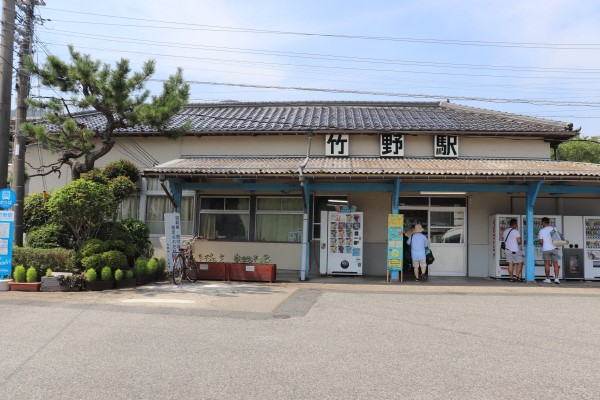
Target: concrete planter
<point x="4" y="287"/>
<point x="51" y="284"/>
<point x="99" y="285"/>
<point x="252" y="272"/>
<point x="125" y="283"/>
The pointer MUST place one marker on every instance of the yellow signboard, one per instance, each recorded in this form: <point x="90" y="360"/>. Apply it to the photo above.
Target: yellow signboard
<point x="395" y="241"/>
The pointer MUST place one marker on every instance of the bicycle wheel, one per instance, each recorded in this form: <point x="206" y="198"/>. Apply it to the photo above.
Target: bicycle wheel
<point x="178" y="269"/>
<point x="191" y="271"/>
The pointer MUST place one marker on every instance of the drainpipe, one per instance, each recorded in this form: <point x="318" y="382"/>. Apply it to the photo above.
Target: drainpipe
<point x="305" y="249"/>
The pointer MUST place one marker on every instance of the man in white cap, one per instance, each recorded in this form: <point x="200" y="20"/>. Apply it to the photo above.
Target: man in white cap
<point x="418" y="242"/>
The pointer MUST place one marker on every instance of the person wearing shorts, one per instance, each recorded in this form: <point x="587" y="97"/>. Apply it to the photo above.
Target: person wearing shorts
<point x="418" y="242"/>
<point x="514" y="257"/>
<point x="549" y="251"/>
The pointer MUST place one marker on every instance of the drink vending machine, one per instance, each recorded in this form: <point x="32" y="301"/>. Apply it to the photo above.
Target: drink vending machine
<point x="341" y="249"/>
<point x="498" y="266"/>
<point x="555" y="221"/>
<point x="583" y="234"/>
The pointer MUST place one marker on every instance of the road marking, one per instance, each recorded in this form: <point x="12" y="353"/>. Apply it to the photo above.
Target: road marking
<point x="172" y="301"/>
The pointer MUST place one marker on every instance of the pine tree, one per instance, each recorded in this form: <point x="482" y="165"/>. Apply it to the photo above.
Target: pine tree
<point x="116" y="92"/>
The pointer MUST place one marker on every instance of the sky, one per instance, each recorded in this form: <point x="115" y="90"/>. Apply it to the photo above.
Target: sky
<point x="539" y="58"/>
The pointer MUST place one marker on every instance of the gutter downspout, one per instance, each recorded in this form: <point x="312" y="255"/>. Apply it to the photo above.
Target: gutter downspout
<point x="305" y="248"/>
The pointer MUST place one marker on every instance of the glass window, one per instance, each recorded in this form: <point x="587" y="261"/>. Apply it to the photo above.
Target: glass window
<point x="129" y="208"/>
<point x="224" y="218"/>
<point x="414" y="201"/>
<point x="449" y="201"/>
<point x="279" y="219"/>
<point x="159" y="205"/>
<point x="447" y="226"/>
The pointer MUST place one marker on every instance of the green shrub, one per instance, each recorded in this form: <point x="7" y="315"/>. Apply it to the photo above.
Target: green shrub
<point x="19" y="273"/>
<point x="139" y="235"/>
<point x="49" y="236"/>
<point x="126" y="248"/>
<point x="91" y="275"/>
<point x="106" y="273"/>
<point x="95" y="175"/>
<point x="113" y="230"/>
<point x="60" y="260"/>
<point x="49" y="272"/>
<point x="93" y="246"/>
<point x="114" y="259"/>
<point x="139" y="268"/>
<point x="121" y="187"/>
<point x="96" y="262"/>
<point x="122" y="168"/>
<point x="35" y="213"/>
<point x="118" y="274"/>
<point x="129" y="274"/>
<point x="31" y="275"/>
<point x="152" y="268"/>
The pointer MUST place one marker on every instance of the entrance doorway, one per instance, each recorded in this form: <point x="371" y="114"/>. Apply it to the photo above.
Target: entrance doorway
<point x="444" y="221"/>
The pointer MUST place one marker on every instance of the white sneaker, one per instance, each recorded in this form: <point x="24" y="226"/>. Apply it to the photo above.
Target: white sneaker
<point x="547" y="280"/>
<point x="557" y="281"/>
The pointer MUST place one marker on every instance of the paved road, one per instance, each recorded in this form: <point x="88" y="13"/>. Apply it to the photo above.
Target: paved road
<point x="302" y="341"/>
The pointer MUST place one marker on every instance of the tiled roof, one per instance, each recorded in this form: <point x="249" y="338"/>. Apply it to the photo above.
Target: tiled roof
<point x="367" y="117"/>
<point x="376" y="166"/>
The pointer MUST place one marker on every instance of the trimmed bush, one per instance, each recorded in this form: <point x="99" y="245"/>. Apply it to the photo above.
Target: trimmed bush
<point x="31" y="275"/>
<point x="113" y="230"/>
<point x="60" y="260"/>
<point x="19" y="274"/>
<point x="96" y="262"/>
<point x="114" y="259"/>
<point x="49" y="236"/>
<point x="91" y="275"/>
<point x="139" y="233"/>
<point x="49" y="272"/>
<point x="106" y="274"/>
<point x="93" y="246"/>
<point x="152" y="268"/>
<point x="139" y="268"/>
<point x="122" y="168"/>
<point x="126" y="248"/>
<point x="119" y="274"/>
<point x="35" y="213"/>
<point x="129" y="274"/>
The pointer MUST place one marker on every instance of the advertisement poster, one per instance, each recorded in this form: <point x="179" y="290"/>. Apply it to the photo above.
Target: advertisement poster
<point x="172" y="236"/>
<point x="395" y="253"/>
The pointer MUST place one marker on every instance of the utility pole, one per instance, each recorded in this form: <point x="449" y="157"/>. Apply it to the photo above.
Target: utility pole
<point x="6" y="66"/>
<point x="20" y="141"/>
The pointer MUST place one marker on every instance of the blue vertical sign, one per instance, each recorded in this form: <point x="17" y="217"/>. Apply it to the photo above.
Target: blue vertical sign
<point x="7" y="222"/>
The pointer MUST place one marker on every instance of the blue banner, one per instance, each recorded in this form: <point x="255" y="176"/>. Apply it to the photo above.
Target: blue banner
<point x="7" y="221"/>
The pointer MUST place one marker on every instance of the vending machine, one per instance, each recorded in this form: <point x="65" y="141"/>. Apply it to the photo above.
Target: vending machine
<point x="556" y="221"/>
<point x="591" y="227"/>
<point x="573" y="253"/>
<point x="498" y="266"/>
<point x="341" y="251"/>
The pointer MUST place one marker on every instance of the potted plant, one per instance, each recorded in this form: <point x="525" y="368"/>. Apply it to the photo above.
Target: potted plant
<point x="152" y="269"/>
<point x="248" y="268"/>
<point x="25" y="281"/>
<point x="124" y="279"/>
<point x="210" y="268"/>
<point x="106" y="282"/>
<point x="139" y="270"/>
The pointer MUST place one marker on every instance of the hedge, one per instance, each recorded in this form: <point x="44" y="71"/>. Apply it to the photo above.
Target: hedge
<point x="59" y="260"/>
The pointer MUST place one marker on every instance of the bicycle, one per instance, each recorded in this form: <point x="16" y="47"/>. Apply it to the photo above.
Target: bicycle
<point x="184" y="264"/>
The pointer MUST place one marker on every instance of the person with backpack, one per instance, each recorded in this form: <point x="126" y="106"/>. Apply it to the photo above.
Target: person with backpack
<point x="549" y="251"/>
<point x="512" y="251"/>
<point x="418" y="242"/>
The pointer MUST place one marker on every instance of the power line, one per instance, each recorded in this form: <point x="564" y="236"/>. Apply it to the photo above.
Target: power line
<point x="193" y="26"/>
<point x="317" y="56"/>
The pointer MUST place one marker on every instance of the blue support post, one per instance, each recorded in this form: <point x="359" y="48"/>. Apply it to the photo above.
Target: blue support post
<point x="533" y="189"/>
<point x="305" y="247"/>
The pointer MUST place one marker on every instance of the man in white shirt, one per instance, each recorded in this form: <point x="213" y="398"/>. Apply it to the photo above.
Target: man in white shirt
<point x="549" y="252"/>
<point x="512" y="239"/>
